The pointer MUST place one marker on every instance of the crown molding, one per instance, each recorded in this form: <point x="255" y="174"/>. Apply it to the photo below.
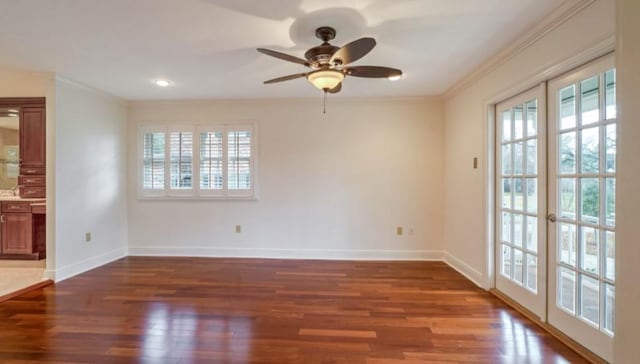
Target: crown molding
<point x="559" y="16"/>
<point x="63" y="79"/>
<point x="286" y="100"/>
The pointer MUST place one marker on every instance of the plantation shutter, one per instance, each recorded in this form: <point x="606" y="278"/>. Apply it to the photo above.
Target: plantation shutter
<point x="153" y="160"/>
<point x="211" y="160"/>
<point x="239" y="166"/>
<point x="181" y="159"/>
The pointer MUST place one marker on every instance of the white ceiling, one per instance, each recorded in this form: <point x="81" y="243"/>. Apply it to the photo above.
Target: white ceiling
<point x="207" y="47"/>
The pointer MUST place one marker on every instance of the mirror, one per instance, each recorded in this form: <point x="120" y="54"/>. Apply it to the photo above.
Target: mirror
<point x="9" y="148"/>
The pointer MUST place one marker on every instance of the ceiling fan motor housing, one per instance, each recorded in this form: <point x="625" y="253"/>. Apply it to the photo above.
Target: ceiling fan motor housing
<point x="320" y="55"/>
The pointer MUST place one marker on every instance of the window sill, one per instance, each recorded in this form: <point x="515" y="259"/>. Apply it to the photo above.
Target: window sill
<point x="196" y="198"/>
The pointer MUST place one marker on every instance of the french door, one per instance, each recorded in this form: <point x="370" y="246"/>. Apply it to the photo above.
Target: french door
<point x="555" y="203"/>
<point x="521" y="199"/>
<point x="582" y="180"/>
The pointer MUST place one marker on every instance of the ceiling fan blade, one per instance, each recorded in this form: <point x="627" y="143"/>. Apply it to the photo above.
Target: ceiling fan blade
<point x="372" y="71"/>
<point x="353" y="51"/>
<point x="286" y="78"/>
<point x="336" y="89"/>
<point x="283" y="56"/>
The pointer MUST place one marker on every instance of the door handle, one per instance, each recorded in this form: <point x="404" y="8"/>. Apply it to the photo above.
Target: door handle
<point x="552" y="217"/>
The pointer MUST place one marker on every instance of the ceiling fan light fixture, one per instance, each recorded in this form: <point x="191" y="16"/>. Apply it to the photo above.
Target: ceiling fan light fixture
<point x="325" y="79"/>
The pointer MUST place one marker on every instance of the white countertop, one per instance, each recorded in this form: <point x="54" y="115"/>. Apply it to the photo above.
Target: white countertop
<point x="18" y="198"/>
<point x="7" y="195"/>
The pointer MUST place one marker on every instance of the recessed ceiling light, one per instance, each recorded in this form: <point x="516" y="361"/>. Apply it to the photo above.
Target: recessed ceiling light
<point x="394" y="78"/>
<point x="162" y="82"/>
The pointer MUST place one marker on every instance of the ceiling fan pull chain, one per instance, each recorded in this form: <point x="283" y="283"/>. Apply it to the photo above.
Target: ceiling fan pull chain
<point x="324" y="105"/>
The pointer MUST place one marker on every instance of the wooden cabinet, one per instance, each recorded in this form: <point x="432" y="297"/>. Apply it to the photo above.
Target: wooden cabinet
<point x="22" y="229"/>
<point x="22" y="223"/>
<point x="32" y="138"/>
<point x="17" y="233"/>
<point x="32" y="152"/>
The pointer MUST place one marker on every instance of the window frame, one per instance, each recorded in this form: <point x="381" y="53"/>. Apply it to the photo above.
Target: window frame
<point x="196" y="193"/>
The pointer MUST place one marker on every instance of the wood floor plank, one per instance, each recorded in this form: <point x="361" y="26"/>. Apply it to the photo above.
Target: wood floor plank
<point x="205" y="310"/>
<point x="338" y="333"/>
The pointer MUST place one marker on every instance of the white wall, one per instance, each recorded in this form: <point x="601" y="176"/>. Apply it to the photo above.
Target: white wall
<point x="90" y="178"/>
<point x="330" y="186"/>
<point x="626" y="348"/>
<point x="466" y="130"/>
<point x="19" y="83"/>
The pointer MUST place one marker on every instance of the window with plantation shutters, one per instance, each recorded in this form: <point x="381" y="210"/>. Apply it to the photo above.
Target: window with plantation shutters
<point x="215" y="161"/>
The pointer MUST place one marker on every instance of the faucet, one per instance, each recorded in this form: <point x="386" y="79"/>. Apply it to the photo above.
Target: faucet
<point x="14" y="190"/>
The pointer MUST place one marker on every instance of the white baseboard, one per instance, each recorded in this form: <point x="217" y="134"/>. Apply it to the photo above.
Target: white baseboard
<point x="329" y="254"/>
<point x="49" y="274"/>
<point x="85" y="265"/>
<point x="465" y="269"/>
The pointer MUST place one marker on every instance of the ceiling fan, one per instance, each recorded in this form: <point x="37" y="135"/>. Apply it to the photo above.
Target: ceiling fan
<point x="329" y="63"/>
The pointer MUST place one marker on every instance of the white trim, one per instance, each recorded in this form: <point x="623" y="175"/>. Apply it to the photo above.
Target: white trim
<point x="306" y="100"/>
<point x="490" y="196"/>
<point x="559" y="16"/>
<point x="85" y="265"/>
<point x="200" y="197"/>
<point x="85" y="87"/>
<point x="465" y="269"/>
<point x="49" y="274"/>
<point x="328" y="254"/>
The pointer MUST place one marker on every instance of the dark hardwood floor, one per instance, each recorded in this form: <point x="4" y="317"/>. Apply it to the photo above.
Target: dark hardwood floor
<point x="200" y="310"/>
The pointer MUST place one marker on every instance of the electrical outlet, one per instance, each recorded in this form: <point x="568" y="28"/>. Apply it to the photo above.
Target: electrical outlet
<point x="412" y="231"/>
<point x="399" y="230"/>
<point x="238" y="229"/>
<point x="87" y="237"/>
